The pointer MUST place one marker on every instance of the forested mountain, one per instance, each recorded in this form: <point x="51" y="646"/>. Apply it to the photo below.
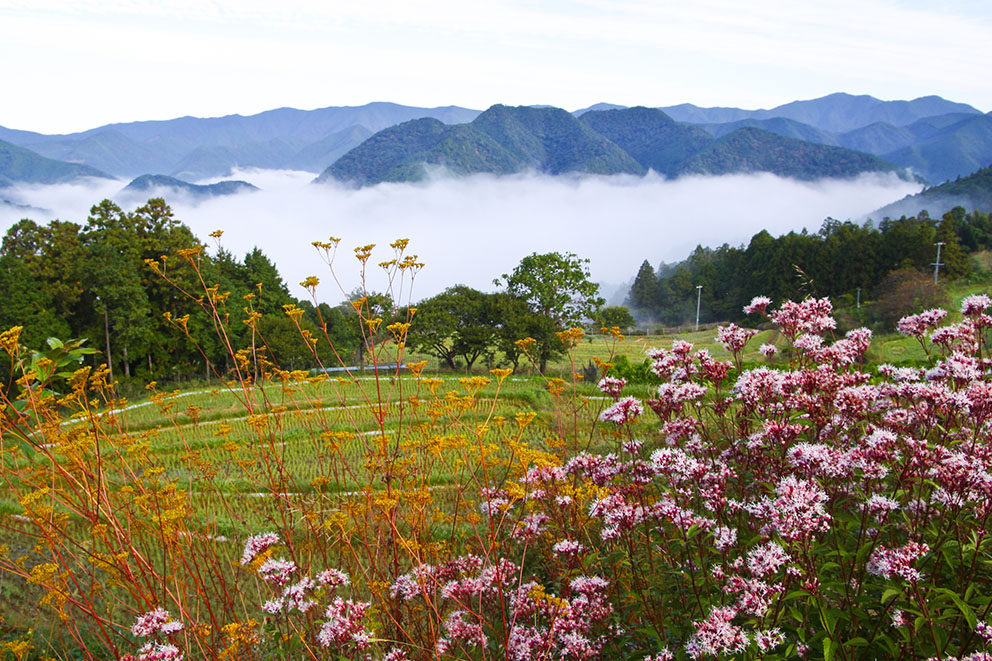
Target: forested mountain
<point x="937" y="148"/>
<point x="971" y="192"/>
<point x="653" y="138"/>
<point x="399" y="153"/>
<point x="788" y="128"/>
<point x="148" y="183"/>
<point x="752" y="149"/>
<point x="502" y="140"/>
<point x="953" y="151"/>
<point x="552" y="141"/>
<point x="19" y="165"/>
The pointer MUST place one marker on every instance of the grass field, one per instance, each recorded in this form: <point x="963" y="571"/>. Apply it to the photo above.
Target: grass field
<point x="367" y="474"/>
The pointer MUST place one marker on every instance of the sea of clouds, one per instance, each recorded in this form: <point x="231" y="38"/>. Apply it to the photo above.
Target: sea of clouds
<point x="471" y="230"/>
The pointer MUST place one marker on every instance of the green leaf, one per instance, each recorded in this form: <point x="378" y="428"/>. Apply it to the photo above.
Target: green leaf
<point x="857" y="642"/>
<point x="891" y="593"/>
<point x="828" y="620"/>
<point x="54" y="343"/>
<point x="965" y="609"/>
<point x="828" y="649"/>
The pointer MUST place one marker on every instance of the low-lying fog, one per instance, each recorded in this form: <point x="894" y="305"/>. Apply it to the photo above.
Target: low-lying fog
<point x="471" y="230"/>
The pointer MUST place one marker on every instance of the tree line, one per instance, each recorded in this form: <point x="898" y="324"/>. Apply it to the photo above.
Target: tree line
<point x="139" y="287"/>
<point x="93" y="281"/>
<point x="836" y="261"/>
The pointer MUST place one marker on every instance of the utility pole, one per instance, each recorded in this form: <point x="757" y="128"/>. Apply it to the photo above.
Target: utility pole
<point x="699" y="296"/>
<point x="859" y="298"/>
<point x="937" y="264"/>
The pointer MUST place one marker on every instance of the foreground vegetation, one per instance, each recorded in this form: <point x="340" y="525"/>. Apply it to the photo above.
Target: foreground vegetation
<point x="776" y="501"/>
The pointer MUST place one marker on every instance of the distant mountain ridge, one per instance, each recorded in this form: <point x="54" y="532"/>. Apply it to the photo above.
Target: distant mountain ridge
<point x="505" y="140"/>
<point x="19" y="165"/>
<point x="836" y="113"/>
<point x="148" y="183"/>
<point x="207" y="147"/>
<point x="936" y="138"/>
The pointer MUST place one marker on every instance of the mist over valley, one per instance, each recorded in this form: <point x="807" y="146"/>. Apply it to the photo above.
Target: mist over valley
<point x="470" y="230"/>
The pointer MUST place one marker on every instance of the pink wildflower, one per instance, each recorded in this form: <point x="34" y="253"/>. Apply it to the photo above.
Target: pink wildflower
<point x="880" y="506"/>
<point x="611" y="385"/>
<point x="568" y="547"/>
<point x="155" y="622"/>
<point x="758" y="305"/>
<point x="459" y="627"/>
<point x="900" y="619"/>
<point x="343" y="627"/>
<point x="159" y="652"/>
<point x="717" y="635"/>
<point x="277" y="571"/>
<point x="333" y="578"/>
<point x="733" y="337"/>
<point x="798" y="510"/>
<point x="810" y="316"/>
<point x="724" y="538"/>
<point x="767" y="350"/>
<point x="623" y="411"/>
<point x="764" y="560"/>
<point x="257" y="544"/>
<point x="769" y="639"/>
<point x="918" y="325"/>
<point x="897" y="562"/>
<point x="976" y="304"/>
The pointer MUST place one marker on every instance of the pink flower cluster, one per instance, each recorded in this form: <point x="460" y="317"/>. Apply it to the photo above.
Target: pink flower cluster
<point x="717" y="635"/>
<point x="812" y="315"/>
<point x="156" y="622"/>
<point x="733" y="337"/>
<point x="918" y="325"/>
<point x="623" y="411"/>
<point x="897" y="562"/>
<point x="611" y="385"/>
<point x="258" y="544"/>
<point x="343" y="629"/>
<point x="156" y="652"/>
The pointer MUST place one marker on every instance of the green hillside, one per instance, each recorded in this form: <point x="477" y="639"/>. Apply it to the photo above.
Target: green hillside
<point x="653" y="138"/>
<point x="19" y="165"/>
<point x="400" y="152"/>
<point x="507" y="139"/>
<point x="553" y="141"/>
<point x="502" y="140"/>
<point x="780" y="125"/>
<point x="755" y="150"/>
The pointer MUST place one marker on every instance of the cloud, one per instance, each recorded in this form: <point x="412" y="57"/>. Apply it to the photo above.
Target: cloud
<point x="471" y="230"/>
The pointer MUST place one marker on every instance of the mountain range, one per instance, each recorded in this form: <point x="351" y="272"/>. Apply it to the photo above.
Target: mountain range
<point x="505" y="140"/>
<point x="937" y="139"/>
<point x="196" y="148"/>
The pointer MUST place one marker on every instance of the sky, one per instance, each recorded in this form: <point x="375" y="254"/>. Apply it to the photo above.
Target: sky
<point x="71" y="65"/>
